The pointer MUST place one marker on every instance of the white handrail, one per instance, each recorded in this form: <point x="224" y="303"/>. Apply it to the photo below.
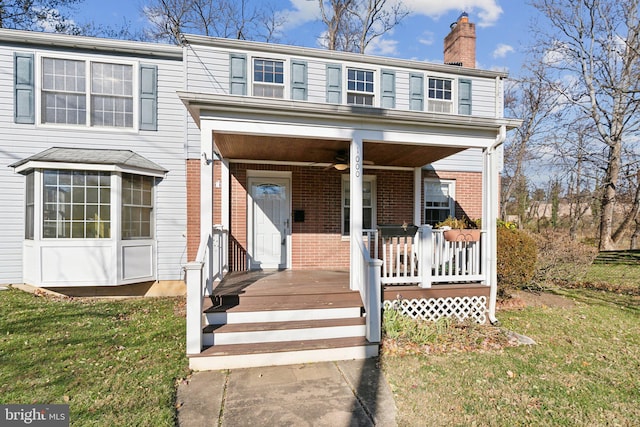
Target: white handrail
<point x="211" y="264"/>
<point x="371" y="293"/>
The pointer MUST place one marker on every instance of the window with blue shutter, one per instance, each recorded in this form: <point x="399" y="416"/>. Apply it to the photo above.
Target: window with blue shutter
<point x="388" y="89"/>
<point x="416" y="92"/>
<point x="334" y="84"/>
<point x="24" y="110"/>
<point x="299" y="80"/>
<point x="464" y="96"/>
<point x="238" y="74"/>
<point x="148" y="97"/>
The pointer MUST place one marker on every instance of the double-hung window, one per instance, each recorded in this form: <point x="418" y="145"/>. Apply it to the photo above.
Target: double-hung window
<point x="64" y="97"/>
<point x="268" y="78"/>
<point x="360" y="88"/>
<point x="440" y="94"/>
<point x="111" y="95"/>
<point x="368" y="203"/>
<point x="439" y="200"/>
<point x="137" y="206"/>
<point x="103" y="97"/>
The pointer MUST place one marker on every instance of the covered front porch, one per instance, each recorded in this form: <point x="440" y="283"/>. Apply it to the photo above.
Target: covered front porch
<point x="269" y="150"/>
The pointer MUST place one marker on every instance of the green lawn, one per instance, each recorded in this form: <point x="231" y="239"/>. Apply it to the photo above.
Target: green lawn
<point x="626" y="277"/>
<point x="113" y="362"/>
<point x="585" y="370"/>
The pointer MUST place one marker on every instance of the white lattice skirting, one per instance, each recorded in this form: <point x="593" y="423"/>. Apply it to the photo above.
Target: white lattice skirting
<point x="435" y="308"/>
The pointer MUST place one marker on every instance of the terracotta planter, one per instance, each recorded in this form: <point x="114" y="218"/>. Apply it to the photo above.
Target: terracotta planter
<point x="462" y="235"/>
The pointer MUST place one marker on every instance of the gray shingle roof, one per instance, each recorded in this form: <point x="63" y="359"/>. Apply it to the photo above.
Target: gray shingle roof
<point x="122" y="158"/>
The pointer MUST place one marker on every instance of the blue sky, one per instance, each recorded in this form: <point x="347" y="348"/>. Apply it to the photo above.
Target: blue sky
<point x="502" y="27"/>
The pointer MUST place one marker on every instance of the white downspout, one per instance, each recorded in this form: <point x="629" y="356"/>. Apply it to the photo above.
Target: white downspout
<point x="490" y="218"/>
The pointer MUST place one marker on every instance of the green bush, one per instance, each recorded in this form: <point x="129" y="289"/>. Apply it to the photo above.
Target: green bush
<point x="517" y="254"/>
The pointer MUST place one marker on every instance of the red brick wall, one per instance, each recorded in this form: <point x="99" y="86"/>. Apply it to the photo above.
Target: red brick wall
<point x="193" y="208"/>
<point x="468" y="191"/>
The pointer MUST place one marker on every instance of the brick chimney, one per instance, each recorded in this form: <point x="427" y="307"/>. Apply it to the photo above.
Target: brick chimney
<point x="460" y="43"/>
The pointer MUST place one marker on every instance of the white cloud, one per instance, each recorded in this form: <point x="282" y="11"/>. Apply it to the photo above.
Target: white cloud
<point x="426" y="38"/>
<point x="384" y="47"/>
<point x="301" y="12"/>
<point x="488" y="11"/>
<point x="502" y="50"/>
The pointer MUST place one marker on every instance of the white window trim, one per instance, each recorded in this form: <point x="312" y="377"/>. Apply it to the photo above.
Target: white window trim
<point x="454" y="93"/>
<point x="87" y="60"/>
<point x="376" y="85"/>
<point x="374" y="202"/>
<point x="452" y="195"/>
<point x="286" y="78"/>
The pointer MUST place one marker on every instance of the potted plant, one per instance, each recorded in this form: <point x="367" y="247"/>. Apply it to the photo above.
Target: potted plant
<point x="460" y="230"/>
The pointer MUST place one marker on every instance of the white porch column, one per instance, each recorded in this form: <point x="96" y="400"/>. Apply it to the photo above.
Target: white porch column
<point x="490" y="191"/>
<point x="417" y="196"/>
<point x="355" y="205"/>
<point x="225" y="212"/>
<point x="206" y="200"/>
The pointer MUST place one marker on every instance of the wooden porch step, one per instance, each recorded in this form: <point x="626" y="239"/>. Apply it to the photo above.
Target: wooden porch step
<point x="285" y="303"/>
<point x="275" y="326"/>
<point x="245" y="333"/>
<point x="236" y="356"/>
<point x="243" y="315"/>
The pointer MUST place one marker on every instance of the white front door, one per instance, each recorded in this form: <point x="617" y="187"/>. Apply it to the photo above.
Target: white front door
<point x="269" y="222"/>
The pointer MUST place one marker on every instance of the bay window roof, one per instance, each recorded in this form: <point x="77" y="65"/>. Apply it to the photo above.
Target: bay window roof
<point x="90" y="159"/>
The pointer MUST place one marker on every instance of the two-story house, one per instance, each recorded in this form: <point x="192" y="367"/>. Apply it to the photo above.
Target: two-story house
<point x="321" y="162"/>
<point x="285" y="180"/>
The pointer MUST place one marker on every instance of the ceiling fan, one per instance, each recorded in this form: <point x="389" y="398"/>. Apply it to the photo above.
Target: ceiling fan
<point x="341" y="161"/>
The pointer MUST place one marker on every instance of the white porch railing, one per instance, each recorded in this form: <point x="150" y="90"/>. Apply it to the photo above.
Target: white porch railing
<point x="210" y="265"/>
<point x="427" y="257"/>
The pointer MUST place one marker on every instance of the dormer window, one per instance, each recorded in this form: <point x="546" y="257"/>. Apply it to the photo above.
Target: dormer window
<point x="359" y="87"/>
<point x="440" y="95"/>
<point x="268" y="78"/>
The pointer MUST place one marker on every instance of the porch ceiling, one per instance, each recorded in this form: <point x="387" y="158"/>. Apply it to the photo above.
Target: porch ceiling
<point x="269" y="148"/>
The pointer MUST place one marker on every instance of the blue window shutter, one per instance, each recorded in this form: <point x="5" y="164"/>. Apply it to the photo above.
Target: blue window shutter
<point x="334" y="84"/>
<point x="388" y="89"/>
<point x="238" y="74"/>
<point x="416" y="92"/>
<point x="24" y="93"/>
<point x="464" y="96"/>
<point x="148" y="97"/>
<point x="299" y="80"/>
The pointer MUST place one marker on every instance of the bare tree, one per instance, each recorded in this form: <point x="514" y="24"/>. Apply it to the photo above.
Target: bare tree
<point x="237" y="19"/>
<point x="38" y="15"/>
<point x="353" y="24"/>
<point x="531" y="98"/>
<point x="592" y="52"/>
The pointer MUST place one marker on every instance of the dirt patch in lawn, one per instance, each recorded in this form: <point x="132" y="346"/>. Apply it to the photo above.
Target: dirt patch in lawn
<point x="522" y="299"/>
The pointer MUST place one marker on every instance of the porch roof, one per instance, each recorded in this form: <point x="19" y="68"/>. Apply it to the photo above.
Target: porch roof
<point x="322" y="150"/>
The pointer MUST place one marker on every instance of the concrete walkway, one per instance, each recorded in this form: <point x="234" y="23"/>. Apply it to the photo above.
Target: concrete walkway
<point x="336" y="394"/>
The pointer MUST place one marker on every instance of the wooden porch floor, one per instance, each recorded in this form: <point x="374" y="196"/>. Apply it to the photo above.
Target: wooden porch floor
<point x="321" y="287"/>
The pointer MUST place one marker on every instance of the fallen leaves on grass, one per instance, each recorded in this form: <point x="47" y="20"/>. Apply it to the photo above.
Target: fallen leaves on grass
<point x="445" y="336"/>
